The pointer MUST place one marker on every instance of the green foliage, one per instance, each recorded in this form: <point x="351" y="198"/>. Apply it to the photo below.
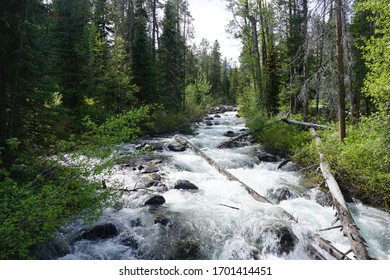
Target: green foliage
<point x="361" y="164"/>
<point x="39" y="193"/>
<point x="377" y="54"/>
<point x="278" y="137"/>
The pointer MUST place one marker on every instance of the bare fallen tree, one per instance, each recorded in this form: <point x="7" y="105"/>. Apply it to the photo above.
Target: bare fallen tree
<point x="287" y="119"/>
<point x="348" y="225"/>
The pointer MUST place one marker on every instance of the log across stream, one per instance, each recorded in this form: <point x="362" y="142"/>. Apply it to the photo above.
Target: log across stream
<point x="214" y="217"/>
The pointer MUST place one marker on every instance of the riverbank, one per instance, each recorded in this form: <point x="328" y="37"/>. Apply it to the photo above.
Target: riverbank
<point x="361" y="164"/>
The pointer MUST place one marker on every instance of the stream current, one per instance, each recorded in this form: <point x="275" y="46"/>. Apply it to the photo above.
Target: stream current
<point x="220" y="220"/>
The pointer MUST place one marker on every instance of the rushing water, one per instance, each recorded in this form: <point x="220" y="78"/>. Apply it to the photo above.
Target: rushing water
<point x="220" y="220"/>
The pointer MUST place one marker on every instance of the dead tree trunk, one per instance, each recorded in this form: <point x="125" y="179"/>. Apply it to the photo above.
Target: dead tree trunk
<point x="312" y="125"/>
<point x="221" y="170"/>
<point x="349" y="228"/>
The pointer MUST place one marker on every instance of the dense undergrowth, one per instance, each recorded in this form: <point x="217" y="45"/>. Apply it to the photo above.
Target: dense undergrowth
<point x="361" y="164"/>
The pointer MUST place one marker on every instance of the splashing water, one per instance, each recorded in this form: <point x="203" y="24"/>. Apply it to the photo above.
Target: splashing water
<point x="220" y="220"/>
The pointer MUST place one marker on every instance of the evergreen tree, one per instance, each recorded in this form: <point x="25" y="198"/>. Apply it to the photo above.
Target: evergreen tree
<point x="216" y="70"/>
<point x="144" y="72"/>
<point x="25" y="87"/>
<point x="171" y="56"/>
<point x="72" y="55"/>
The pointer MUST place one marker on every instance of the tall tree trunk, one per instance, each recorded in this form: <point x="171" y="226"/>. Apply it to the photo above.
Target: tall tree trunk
<point x="340" y="69"/>
<point x="255" y="43"/>
<point x="305" y="63"/>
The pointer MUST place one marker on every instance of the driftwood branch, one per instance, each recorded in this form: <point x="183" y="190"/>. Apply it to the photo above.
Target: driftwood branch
<point x="287" y="119"/>
<point x="328" y="247"/>
<point x="349" y="228"/>
<point x="228" y="143"/>
<point x="232" y="207"/>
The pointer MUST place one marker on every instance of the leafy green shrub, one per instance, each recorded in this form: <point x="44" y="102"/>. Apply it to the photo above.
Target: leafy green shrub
<point x="361" y="164"/>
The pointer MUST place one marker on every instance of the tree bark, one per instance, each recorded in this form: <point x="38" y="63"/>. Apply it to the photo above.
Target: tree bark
<point x="311" y="125"/>
<point x="340" y="69"/>
<point x="349" y="228"/>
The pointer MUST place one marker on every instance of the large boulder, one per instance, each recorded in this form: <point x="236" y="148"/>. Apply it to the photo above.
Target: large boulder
<point x="101" y="231"/>
<point x="184" y="185"/>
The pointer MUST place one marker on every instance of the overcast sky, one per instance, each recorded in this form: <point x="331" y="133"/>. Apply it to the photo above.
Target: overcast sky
<point x="210" y="20"/>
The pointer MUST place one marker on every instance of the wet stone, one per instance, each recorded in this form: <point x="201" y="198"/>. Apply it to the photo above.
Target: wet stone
<point x="184" y="185"/>
<point x="155" y="200"/>
<point x="176" y="147"/>
<point x="102" y="231"/>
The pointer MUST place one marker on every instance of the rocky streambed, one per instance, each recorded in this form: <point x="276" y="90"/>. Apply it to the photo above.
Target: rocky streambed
<point x="174" y="205"/>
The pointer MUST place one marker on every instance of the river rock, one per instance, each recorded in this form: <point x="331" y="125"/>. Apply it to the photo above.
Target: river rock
<point x="217" y="116"/>
<point x="278" y="240"/>
<point x="282" y="193"/>
<point x="145" y="147"/>
<point x="188" y="249"/>
<point x="101" y="231"/>
<point x="266" y="157"/>
<point x="155" y="200"/>
<point x="184" y="185"/>
<point x="230" y="134"/>
<point x="162" y="220"/>
<point x="127" y="239"/>
<point x="176" y="147"/>
<point x="151" y="168"/>
<point x="209" y="123"/>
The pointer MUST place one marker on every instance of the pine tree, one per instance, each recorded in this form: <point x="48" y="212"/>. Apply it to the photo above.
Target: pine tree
<point x="25" y="87"/>
<point x="171" y="56"/>
<point x="70" y="38"/>
<point x="143" y="68"/>
<point x="216" y="70"/>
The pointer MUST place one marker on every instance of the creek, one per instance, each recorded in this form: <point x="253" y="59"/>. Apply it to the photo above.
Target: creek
<point x="219" y="220"/>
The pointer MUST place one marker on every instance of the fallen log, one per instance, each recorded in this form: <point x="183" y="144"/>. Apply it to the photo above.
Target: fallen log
<point x="349" y="228"/>
<point x="311" y="125"/>
<point x="228" y="143"/>
<point x="221" y="170"/>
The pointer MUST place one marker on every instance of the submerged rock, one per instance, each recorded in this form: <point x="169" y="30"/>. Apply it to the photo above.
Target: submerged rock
<point x="282" y="193"/>
<point x="127" y="239"/>
<point x="184" y="185"/>
<point x="162" y="220"/>
<point x="277" y="240"/>
<point x="188" y="249"/>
